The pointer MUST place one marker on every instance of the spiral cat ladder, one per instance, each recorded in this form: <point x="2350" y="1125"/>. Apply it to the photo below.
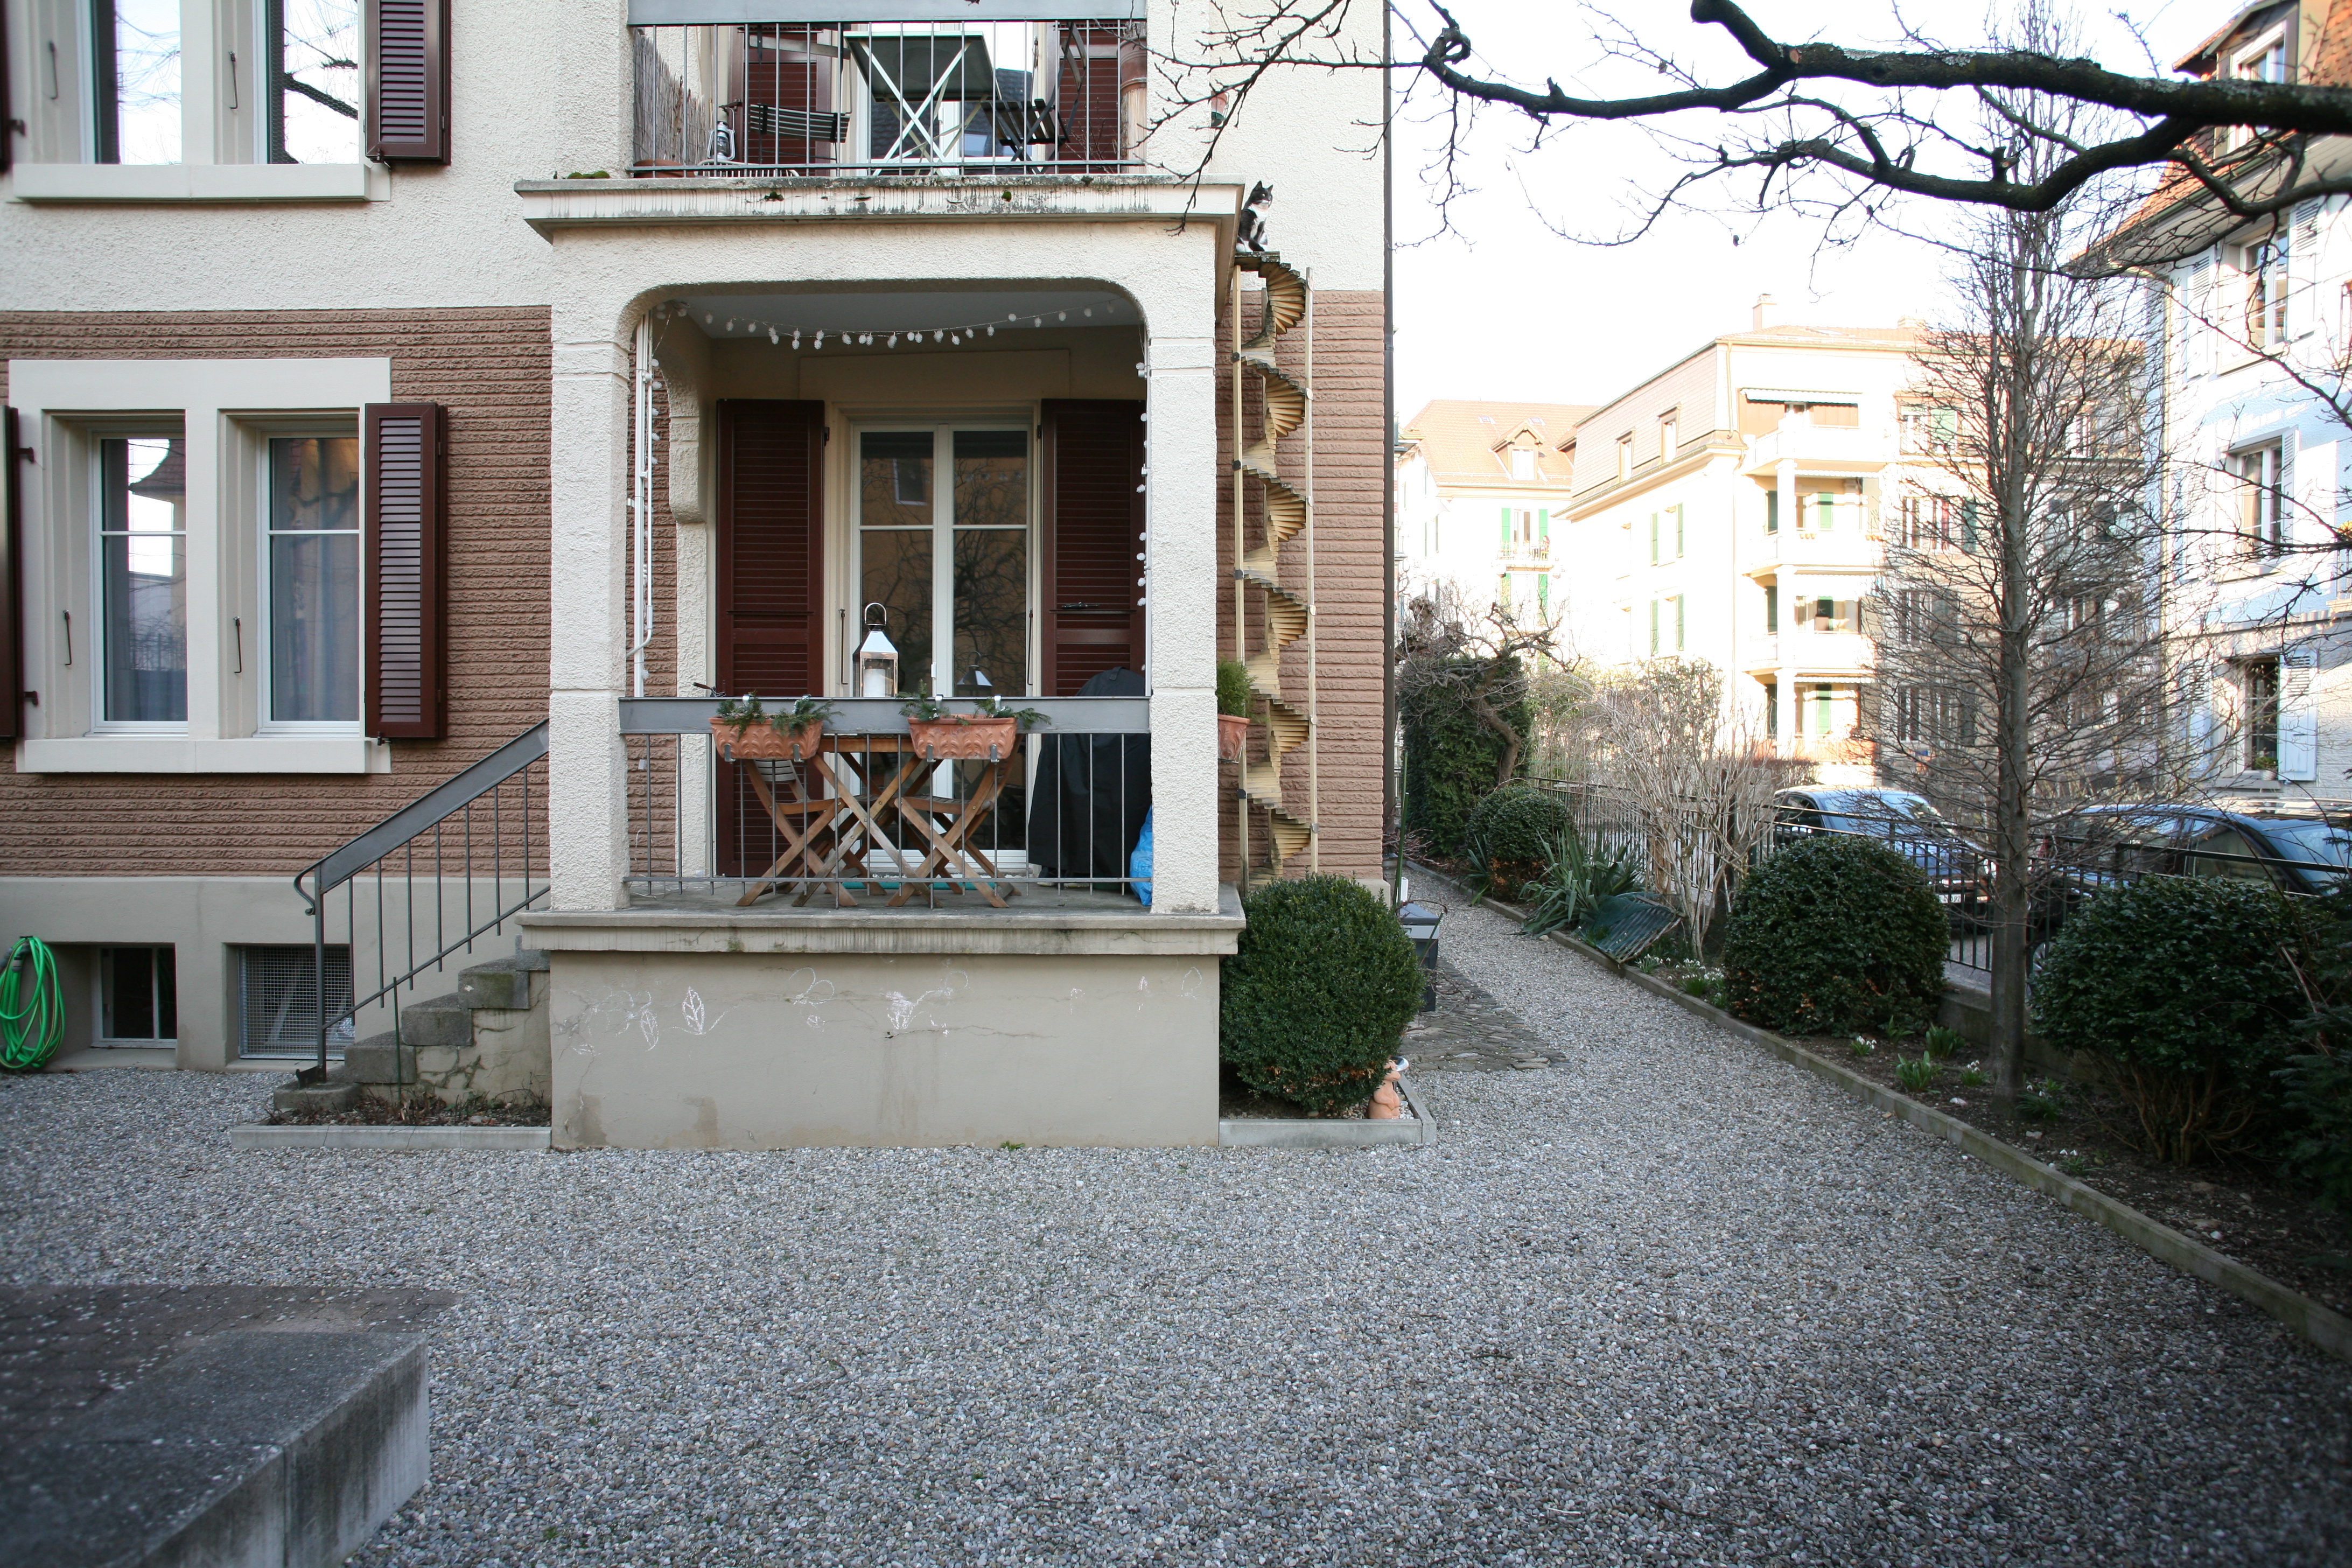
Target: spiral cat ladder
<point x="1285" y="409"/>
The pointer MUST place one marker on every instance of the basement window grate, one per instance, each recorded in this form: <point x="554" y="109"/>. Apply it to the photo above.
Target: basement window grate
<point x="278" y="1001"/>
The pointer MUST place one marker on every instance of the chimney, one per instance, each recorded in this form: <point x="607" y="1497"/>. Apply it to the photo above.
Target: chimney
<point x="1765" y="311"/>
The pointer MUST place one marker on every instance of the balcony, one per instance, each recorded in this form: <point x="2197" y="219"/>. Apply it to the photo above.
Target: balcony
<point x="1528" y="553"/>
<point x="860" y="99"/>
<point x="1851" y="544"/>
<point x="1823" y="449"/>
<point x="1828" y="655"/>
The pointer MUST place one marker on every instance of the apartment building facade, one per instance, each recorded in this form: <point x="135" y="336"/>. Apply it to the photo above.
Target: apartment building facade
<point x="1732" y="509"/>
<point x="1477" y="486"/>
<point x="403" y="392"/>
<point x="2252" y="336"/>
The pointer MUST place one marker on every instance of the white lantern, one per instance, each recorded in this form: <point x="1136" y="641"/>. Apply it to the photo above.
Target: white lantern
<point x="878" y="657"/>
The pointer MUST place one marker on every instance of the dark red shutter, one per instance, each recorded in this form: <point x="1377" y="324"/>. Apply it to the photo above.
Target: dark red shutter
<point x="12" y="587"/>
<point x="405" y="447"/>
<point x="408" y="80"/>
<point x="771" y="584"/>
<point x="8" y="131"/>
<point x="1093" y="462"/>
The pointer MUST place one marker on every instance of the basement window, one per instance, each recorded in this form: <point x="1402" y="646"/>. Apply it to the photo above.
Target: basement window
<point x="137" y="997"/>
<point x="277" y="996"/>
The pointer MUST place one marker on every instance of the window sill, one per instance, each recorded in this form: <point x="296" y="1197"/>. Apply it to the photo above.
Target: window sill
<point x="181" y="754"/>
<point x="199" y="182"/>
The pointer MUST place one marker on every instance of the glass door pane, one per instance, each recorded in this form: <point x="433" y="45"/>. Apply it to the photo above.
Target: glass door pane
<point x="143" y="577"/>
<point x="896" y="544"/>
<point x="990" y="613"/>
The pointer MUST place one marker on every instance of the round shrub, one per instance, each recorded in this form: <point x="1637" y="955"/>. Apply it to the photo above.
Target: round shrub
<point x="1518" y="825"/>
<point x="2180" y="987"/>
<point x="1318" y="993"/>
<point x="1834" y="935"/>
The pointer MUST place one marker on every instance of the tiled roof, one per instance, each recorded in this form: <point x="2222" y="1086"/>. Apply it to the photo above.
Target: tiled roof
<point x="1465" y="442"/>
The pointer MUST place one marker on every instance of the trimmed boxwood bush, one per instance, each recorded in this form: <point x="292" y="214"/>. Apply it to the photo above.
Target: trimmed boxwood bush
<point x="2181" y="988"/>
<point x="1833" y="934"/>
<point x="1318" y="993"/>
<point x="1513" y="834"/>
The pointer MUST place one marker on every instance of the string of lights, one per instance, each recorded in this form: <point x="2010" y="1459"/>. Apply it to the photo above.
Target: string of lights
<point x="778" y="332"/>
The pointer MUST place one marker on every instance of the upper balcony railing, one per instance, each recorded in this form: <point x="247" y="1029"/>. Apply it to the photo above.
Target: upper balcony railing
<point x="864" y="98"/>
<point x="1529" y="552"/>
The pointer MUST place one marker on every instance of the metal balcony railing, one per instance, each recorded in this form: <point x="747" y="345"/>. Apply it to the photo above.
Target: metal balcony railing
<point x="773" y="99"/>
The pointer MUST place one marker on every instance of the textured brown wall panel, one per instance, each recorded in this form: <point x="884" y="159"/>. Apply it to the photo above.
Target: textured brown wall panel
<point x="1352" y="476"/>
<point x="491" y="368"/>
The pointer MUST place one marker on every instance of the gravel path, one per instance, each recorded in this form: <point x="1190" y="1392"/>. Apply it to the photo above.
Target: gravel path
<point x="1670" y="1301"/>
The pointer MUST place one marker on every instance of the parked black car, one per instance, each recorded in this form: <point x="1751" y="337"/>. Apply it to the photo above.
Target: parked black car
<point x="2297" y="849"/>
<point x="1954" y="867"/>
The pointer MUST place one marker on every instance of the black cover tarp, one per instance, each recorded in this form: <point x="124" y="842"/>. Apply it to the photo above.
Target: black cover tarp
<point x="1087" y="801"/>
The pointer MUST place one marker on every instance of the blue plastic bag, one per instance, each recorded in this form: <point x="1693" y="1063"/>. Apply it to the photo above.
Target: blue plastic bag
<point x="1139" y="864"/>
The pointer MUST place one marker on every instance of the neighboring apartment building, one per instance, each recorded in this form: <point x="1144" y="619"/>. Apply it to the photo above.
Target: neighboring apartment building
<point x="460" y="395"/>
<point x="1477" y="486"/>
<point x="2258" y="600"/>
<point x="1730" y="509"/>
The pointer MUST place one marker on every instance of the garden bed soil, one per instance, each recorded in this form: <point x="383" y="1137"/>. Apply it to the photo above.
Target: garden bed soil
<point x="2236" y="1209"/>
<point x="420" y="1113"/>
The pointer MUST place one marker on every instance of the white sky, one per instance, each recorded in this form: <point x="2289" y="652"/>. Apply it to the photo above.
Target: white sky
<point x="1503" y="307"/>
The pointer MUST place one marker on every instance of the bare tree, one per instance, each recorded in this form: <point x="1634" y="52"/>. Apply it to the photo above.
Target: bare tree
<point x="1841" y="128"/>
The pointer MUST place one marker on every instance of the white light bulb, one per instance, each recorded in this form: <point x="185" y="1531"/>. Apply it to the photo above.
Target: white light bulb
<point x="708" y="318"/>
<point x="1090" y="311"/>
<point x="1015" y="317"/>
<point x="992" y="328"/>
<point x="893" y="342"/>
<point x="772" y="335"/>
<point x="731" y="323"/>
<point x="820" y="338"/>
<point x="796" y="343"/>
<point x="1062" y="317"/>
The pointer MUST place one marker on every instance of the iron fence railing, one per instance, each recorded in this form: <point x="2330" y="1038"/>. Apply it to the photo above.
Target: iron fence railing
<point x="888" y="97"/>
<point x="869" y="819"/>
<point x="429" y="881"/>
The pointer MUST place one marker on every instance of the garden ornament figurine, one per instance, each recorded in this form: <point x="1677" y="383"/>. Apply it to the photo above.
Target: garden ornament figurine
<point x="1387" y="1102"/>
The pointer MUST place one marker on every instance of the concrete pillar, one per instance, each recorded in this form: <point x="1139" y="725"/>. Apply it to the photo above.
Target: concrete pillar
<point x="688" y="467"/>
<point x="589" y="469"/>
<point x="1180" y="605"/>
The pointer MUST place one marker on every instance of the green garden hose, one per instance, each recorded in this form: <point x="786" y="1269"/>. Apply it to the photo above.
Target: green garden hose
<point x="32" y="1011"/>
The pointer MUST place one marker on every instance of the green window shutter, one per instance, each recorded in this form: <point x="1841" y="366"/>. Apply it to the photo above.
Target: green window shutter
<point x="1506" y="530"/>
<point x="1968" y="526"/>
<point x="1679" y="623"/>
<point x="1825" y="507"/>
<point x="1543" y="525"/>
<point x="1653" y="629"/>
<point x="1654" y="539"/>
<point x="1772" y="512"/>
<point x="1678" y="532"/>
<point x="1543" y="593"/>
<point x="1773" y="609"/>
<point x="1503" y="593"/>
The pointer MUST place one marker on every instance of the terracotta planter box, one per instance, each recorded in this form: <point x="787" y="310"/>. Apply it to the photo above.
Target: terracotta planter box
<point x="959" y="738"/>
<point x="1233" y="736"/>
<point x="763" y="741"/>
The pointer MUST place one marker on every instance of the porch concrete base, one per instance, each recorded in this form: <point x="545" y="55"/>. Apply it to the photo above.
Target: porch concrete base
<point x="718" y="1029"/>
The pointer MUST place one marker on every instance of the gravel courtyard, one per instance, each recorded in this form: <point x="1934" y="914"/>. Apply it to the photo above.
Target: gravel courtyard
<point x="1671" y="1301"/>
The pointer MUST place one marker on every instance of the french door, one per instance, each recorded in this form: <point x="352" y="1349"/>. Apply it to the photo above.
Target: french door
<point x="940" y="539"/>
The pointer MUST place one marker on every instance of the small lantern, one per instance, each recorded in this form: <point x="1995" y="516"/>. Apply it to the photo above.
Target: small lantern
<point x="878" y="657"/>
<point x="980" y="685"/>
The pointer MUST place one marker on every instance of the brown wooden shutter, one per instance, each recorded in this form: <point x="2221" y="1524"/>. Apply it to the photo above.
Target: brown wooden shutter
<point x="771" y="586"/>
<point x="408" y="80"/>
<point x="1092" y="613"/>
<point x="406" y="447"/>
<point x="12" y="585"/>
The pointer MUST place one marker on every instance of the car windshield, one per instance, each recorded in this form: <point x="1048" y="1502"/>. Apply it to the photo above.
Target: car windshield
<point x="2319" y="843"/>
<point x="1883" y="811"/>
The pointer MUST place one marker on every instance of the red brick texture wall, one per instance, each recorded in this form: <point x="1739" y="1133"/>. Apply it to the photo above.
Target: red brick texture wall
<point x="491" y="368"/>
<point x="1351" y="470"/>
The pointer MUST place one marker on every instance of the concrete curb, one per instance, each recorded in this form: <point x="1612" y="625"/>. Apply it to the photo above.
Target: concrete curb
<point x="2330" y="1330"/>
<point x="258" y="1135"/>
<point x="1315" y="1132"/>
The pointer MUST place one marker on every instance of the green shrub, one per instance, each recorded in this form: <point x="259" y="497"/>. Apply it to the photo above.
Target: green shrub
<point x="1834" y="935"/>
<point x="1233" y="688"/>
<point x="1915" y="1073"/>
<point x="1942" y="1042"/>
<point x="1512" y="834"/>
<point x="1451" y="759"/>
<point x="1318" y="993"/>
<point x="2180" y="987"/>
<point x="1577" y="880"/>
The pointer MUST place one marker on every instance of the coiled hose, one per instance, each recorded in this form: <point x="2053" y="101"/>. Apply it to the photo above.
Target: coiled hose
<point x="32" y="1008"/>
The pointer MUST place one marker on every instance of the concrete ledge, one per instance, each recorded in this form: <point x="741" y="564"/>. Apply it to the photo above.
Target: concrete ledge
<point x="258" y="1135"/>
<point x="255" y="1448"/>
<point x="1320" y="1132"/>
<point x="2330" y="1330"/>
<point x="1132" y="932"/>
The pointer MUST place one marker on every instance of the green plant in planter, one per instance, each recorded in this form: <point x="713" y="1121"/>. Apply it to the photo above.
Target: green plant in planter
<point x="925" y="709"/>
<point x="1233" y="688"/>
<point x="1315" y="1000"/>
<point x="1024" y="718"/>
<point x="741" y="713"/>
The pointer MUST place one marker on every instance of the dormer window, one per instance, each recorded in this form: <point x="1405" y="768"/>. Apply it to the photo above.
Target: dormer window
<point x="1625" y="456"/>
<point x="1523" y="463"/>
<point x="2263" y="61"/>
<point x="1669" y="426"/>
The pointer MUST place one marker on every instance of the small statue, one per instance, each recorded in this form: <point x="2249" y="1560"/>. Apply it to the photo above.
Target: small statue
<point x="1251" y="234"/>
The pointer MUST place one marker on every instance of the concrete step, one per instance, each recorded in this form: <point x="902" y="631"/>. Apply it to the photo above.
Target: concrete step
<point x="501" y="982"/>
<point x="329" y="1096"/>
<point x="379" y="1059"/>
<point x="438" y="1021"/>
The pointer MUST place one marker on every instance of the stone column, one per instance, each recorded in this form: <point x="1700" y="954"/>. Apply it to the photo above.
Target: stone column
<point x="587" y="814"/>
<point x="1180" y="605"/>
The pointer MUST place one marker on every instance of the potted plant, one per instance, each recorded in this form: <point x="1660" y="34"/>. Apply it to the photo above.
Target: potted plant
<point x="987" y="733"/>
<point x="1233" y="710"/>
<point x="745" y="731"/>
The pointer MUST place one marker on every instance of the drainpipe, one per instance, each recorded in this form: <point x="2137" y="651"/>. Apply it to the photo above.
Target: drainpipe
<point x="1391" y="807"/>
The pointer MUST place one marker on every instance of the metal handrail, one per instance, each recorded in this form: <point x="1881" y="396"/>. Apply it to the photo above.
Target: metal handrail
<point x="400" y="831"/>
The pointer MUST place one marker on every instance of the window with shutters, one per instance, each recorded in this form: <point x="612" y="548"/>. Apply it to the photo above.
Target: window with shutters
<point x="201" y="599"/>
<point x="2263" y="268"/>
<point x="311" y="71"/>
<point x="2258" y="714"/>
<point x="2260" y="504"/>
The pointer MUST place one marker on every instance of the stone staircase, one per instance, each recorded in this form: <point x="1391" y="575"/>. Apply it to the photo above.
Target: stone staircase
<point x="488" y="1037"/>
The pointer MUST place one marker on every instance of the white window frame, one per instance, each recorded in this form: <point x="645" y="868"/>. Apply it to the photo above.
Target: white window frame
<point x="2266" y="540"/>
<point x="224" y="138"/>
<point x="221" y="405"/>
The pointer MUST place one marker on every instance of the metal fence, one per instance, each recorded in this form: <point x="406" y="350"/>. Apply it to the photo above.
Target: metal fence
<point x="888" y="97"/>
<point x="869" y="817"/>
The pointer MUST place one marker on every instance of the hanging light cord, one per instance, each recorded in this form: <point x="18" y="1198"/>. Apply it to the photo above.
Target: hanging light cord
<point x="32" y="1008"/>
